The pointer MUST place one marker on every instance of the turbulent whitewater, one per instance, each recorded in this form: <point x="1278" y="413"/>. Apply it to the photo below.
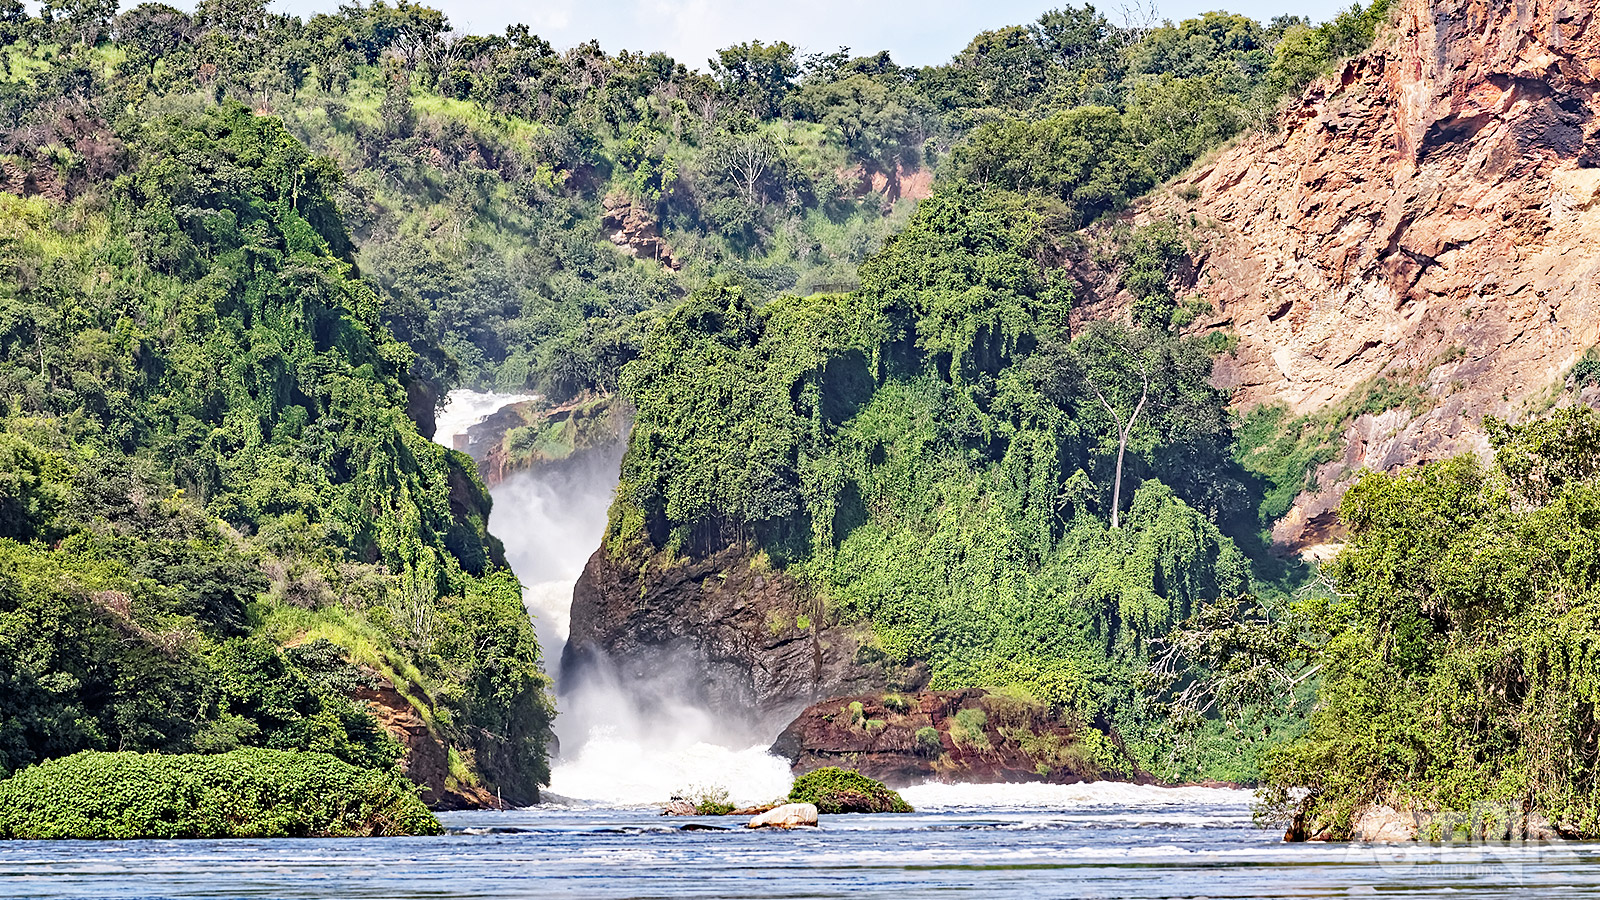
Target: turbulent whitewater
<point x="621" y="744"/>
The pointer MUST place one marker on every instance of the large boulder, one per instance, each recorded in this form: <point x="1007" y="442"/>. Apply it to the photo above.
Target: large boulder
<point x="1380" y="824"/>
<point x="789" y="815"/>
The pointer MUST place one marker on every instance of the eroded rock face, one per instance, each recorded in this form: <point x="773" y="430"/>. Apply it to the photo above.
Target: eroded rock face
<point x="1384" y="825"/>
<point x="426" y="759"/>
<point x="1432" y="214"/>
<point x="723" y="632"/>
<point x="968" y="736"/>
<point x="582" y="437"/>
<point x="1398" y="821"/>
<point x="633" y="229"/>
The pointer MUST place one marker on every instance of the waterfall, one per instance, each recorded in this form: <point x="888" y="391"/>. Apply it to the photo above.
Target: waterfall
<point x="621" y="745"/>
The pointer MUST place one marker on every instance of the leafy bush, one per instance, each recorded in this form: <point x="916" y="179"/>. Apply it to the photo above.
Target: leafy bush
<point x="245" y="793"/>
<point x="928" y="743"/>
<point x="1456" y="646"/>
<point x="836" y="790"/>
<point x="1587" y="370"/>
<point x="711" y="801"/>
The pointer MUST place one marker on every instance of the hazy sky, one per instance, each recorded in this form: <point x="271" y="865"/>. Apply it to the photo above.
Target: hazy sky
<point x="918" y="32"/>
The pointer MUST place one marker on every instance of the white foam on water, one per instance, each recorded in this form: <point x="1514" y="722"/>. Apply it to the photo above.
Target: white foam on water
<point x="620" y="770"/>
<point x="935" y="796"/>
<point x="464" y="409"/>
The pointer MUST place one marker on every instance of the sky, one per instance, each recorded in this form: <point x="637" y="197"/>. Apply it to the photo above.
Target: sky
<point x="916" y="32"/>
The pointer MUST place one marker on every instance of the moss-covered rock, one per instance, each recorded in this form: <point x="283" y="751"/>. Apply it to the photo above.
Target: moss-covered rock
<point x="836" y="790"/>
<point x="244" y="793"/>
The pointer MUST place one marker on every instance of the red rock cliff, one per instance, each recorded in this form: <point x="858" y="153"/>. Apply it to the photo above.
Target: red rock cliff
<point x="1429" y="213"/>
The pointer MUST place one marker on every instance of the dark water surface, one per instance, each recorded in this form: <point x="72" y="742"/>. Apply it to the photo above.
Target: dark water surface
<point x="1139" y="843"/>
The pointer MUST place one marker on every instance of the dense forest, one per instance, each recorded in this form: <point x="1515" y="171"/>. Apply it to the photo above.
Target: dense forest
<point x="243" y="255"/>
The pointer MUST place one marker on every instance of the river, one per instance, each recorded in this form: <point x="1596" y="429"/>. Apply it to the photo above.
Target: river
<point x="599" y="835"/>
<point x="1034" y="841"/>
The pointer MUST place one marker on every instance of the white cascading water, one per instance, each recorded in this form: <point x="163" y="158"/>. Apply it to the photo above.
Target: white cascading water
<point x="611" y="753"/>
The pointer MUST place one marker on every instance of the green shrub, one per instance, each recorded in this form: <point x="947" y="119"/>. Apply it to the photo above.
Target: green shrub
<point x="245" y="793"/>
<point x="711" y="801"/>
<point x="897" y="704"/>
<point x="836" y="790"/>
<point x="968" y="730"/>
<point x="928" y="743"/>
<point x="1587" y="370"/>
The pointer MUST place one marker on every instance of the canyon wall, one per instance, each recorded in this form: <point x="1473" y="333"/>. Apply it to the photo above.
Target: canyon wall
<point x="1429" y="215"/>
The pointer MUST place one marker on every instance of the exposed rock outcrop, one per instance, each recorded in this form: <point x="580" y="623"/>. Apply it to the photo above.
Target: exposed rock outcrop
<point x="1395" y="821"/>
<point x="632" y="228"/>
<point x="724" y="631"/>
<point x="1432" y="214"/>
<point x="426" y="760"/>
<point x="955" y="736"/>
<point x="588" y="434"/>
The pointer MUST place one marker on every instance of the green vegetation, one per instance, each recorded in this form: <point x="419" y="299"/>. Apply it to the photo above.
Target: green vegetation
<point x="209" y="424"/>
<point x="1457" y="645"/>
<point x="938" y="457"/>
<point x="835" y="790"/>
<point x="970" y="730"/>
<point x="477" y="164"/>
<point x="1586" y="371"/>
<point x="243" y="255"/>
<point x="1285" y="451"/>
<point x="712" y="801"/>
<point x="241" y="794"/>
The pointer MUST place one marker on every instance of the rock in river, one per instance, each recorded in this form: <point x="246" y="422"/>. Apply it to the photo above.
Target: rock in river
<point x="680" y="807"/>
<point x="789" y="815"/>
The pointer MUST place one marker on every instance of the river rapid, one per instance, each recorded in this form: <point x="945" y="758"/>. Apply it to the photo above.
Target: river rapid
<point x="599" y="834"/>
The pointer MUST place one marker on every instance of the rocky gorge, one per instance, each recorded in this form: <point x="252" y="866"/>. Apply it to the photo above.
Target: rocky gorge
<point x="1426" y="218"/>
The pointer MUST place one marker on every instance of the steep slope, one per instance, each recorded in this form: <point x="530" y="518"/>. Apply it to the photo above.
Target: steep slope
<point x="218" y="526"/>
<point x="1428" y="216"/>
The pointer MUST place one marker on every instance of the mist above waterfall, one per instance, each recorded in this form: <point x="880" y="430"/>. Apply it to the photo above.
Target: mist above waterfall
<point x="621" y="742"/>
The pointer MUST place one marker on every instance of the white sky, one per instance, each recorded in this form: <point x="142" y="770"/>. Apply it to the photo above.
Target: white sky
<point x="917" y="32"/>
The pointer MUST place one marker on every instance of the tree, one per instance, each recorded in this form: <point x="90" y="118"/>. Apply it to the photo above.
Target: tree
<point x="244" y="21"/>
<point x="1117" y="366"/>
<point x="759" y="74"/>
<point x="876" y="116"/>
<point x="413" y="29"/>
<point x="151" y="31"/>
<point x="83" y="23"/>
<point x="1085" y="156"/>
<point x="748" y="160"/>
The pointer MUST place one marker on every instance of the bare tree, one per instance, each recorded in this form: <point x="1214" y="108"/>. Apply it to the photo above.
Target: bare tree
<point x="1124" y="430"/>
<point x="747" y="159"/>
